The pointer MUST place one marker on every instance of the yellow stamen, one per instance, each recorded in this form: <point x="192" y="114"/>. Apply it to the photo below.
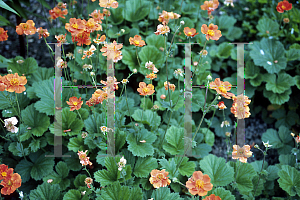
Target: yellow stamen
<point x="136" y="42"/>
<point x="75" y="103"/>
<point x="199" y="184"/>
<point x="223" y="90"/>
<point x="14" y="82"/>
<point x="190" y="33"/>
<point x="3" y="174"/>
<point x="210" y="32"/>
<point x="75" y="25"/>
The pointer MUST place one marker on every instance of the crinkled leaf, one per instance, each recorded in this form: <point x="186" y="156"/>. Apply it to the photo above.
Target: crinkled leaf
<point x="169" y="166"/>
<point x="278" y="99"/>
<point x="155" y="41"/>
<point x="136" y="10"/>
<point x="272" y="136"/>
<point x="265" y="52"/>
<point x="72" y="195"/>
<point x="150" y="53"/>
<point x="186" y="167"/>
<point x="29" y="66"/>
<point x="42" y="74"/>
<point x="76" y="144"/>
<point x="46" y="191"/>
<point x="138" y="148"/>
<point x="209" y="136"/>
<point x="251" y="70"/>
<point x="45" y="91"/>
<point x="174" y="141"/>
<point x="281" y="83"/>
<point x="266" y="24"/>
<point x="94" y="122"/>
<point x="289" y="180"/>
<point x="79" y="180"/>
<point x="220" y="173"/>
<point x="224" y="50"/>
<point x="149" y="117"/>
<point x="39" y="122"/>
<point x="144" y="165"/>
<point x="272" y="172"/>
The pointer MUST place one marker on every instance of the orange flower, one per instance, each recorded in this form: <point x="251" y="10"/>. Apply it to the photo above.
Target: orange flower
<point x="74" y="103"/>
<point x="212" y="197"/>
<point x="210" y="6"/>
<point x="199" y="184"/>
<point x="26" y="28"/>
<point x="159" y="178"/>
<point x="166" y="16"/>
<point x="297" y="139"/>
<point x="42" y="32"/>
<point x="92" y="26"/>
<point x="162" y="29"/>
<point x="98" y="97"/>
<point x="151" y="76"/>
<point x="97" y="16"/>
<point x="145" y="90"/>
<point x="3" y="35"/>
<point x="15" y="83"/>
<point x="61" y="39"/>
<point x="106" y="12"/>
<point x="62" y="5"/>
<point x="283" y="5"/>
<point x="98" y="41"/>
<point x="211" y="32"/>
<point x="190" y="32"/>
<point x="4" y="171"/>
<point x="88" y="181"/>
<point x="2" y="83"/>
<point x="221" y="87"/>
<point x="221" y="105"/>
<point x="75" y="26"/>
<point x="57" y="12"/>
<point x="137" y="41"/>
<point x="82" y="38"/>
<point x="171" y="86"/>
<point x="112" y="84"/>
<point x="11" y="183"/>
<point x="89" y="52"/>
<point x="108" y="3"/>
<point x="111" y="50"/>
<point x="241" y="99"/>
<point x="84" y="160"/>
<point x="241" y="153"/>
<point x="240" y="107"/>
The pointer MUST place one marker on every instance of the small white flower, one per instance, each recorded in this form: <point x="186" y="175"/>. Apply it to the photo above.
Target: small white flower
<point x="209" y="77"/>
<point x="21" y="195"/>
<point x="178" y="72"/>
<point x="182" y="22"/>
<point x="103" y="129"/>
<point x="226" y="123"/>
<point x="122" y="163"/>
<point x="267" y="144"/>
<point x="20" y="61"/>
<point x="86" y="66"/>
<point x="122" y="30"/>
<point x="124" y="81"/>
<point x="92" y="73"/>
<point x="134" y="71"/>
<point x="12" y="120"/>
<point x="10" y="71"/>
<point x="219" y="98"/>
<point x="49" y="180"/>
<point x="83" y="193"/>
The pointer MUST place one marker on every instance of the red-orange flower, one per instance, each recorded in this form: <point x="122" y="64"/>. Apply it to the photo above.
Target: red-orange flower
<point x="145" y="90"/>
<point x="82" y="38"/>
<point x="111" y="51"/>
<point x="57" y="12"/>
<point x="61" y="39"/>
<point x="284" y="5"/>
<point x="162" y="29"/>
<point x="240" y="111"/>
<point x="42" y="32"/>
<point x="190" y="32"/>
<point x="151" y="76"/>
<point x="92" y="26"/>
<point x="11" y="182"/>
<point x="297" y="139"/>
<point x="199" y="184"/>
<point x="166" y="16"/>
<point x="137" y="41"/>
<point x="241" y="153"/>
<point x="210" y="6"/>
<point x="4" y="171"/>
<point x="75" y="103"/>
<point x="3" y="35"/>
<point x="15" y="83"/>
<point x="221" y="87"/>
<point x="171" y="86"/>
<point x="99" y="40"/>
<point x="2" y="83"/>
<point x="111" y="83"/>
<point x="211" y="32"/>
<point x="26" y="28"/>
<point x="75" y="26"/>
<point x="159" y="178"/>
<point x="221" y="105"/>
<point x="212" y="197"/>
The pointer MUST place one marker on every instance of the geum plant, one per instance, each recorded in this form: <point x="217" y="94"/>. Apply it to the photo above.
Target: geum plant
<point x="150" y="143"/>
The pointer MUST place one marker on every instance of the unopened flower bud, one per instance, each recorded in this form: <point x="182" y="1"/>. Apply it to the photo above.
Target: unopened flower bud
<point x="92" y="73"/>
<point x="175" y="180"/>
<point x="134" y="71"/>
<point x="286" y="20"/>
<point x="182" y="22"/>
<point x="122" y="31"/>
<point x="228" y="134"/>
<point x="209" y="77"/>
<point x="219" y="97"/>
<point x="292" y="134"/>
<point x="256" y="146"/>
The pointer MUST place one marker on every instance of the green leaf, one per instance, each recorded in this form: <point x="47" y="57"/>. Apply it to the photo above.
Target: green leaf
<point x="169" y="166"/>
<point x="272" y="136"/>
<point x="35" y="145"/>
<point x="285" y="134"/>
<point x="224" y="50"/>
<point x="220" y="173"/>
<point x="24" y="168"/>
<point x="225" y="22"/>
<point x="72" y="161"/>
<point x="59" y="177"/>
<point x="251" y="70"/>
<point x="198" y="99"/>
<point x="38" y="122"/>
<point x="72" y="195"/>
<point x="272" y="173"/>
<point x="150" y="53"/>
<point x="276" y="98"/>
<point x="186" y="168"/>
<point x="5" y="6"/>
<point x="136" y="10"/>
<point x="257" y="80"/>
<point x="116" y="18"/>
<point x="222" y="193"/>
<point x="118" y="192"/>
<point x="44" y="3"/>
<point x="76" y="144"/>
<point x="143" y="166"/>
<point x="208" y="135"/>
<point x="79" y="180"/>
<point x="46" y="191"/>
<point x="94" y="122"/>
<point x="120" y="139"/>
<point x="266" y="24"/>
<point x="164" y="193"/>
<point x="287" y="160"/>
<point x="174" y="141"/>
<point x="244" y="176"/>
<point x="141" y="149"/>
<point x="45" y="91"/>
<point x="155" y="41"/>
<point x="293" y="54"/>
<point x="233" y="33"/>
<point x="3" y="22"/>
<point x="289" y="180"/>
<point x="297" y="79"/>
<point x="18" y="150"/>
<point x="280" y="84"/>
<point x="265" y="52"/>
<point x="129" y="58"/>
<point x="284" y="119"/>
<point x="42" y="74"/>
<point x="29" y="66"/>
<point x="150" y="117"/>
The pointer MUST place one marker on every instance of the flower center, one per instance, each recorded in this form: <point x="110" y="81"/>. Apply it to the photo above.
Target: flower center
<point x="25" y="26"/>
<point x="136" y="42"/>
<point x="199" y="184"/>
<point x="75" y="103"/>
<point x="190" y="33"/>
<point x="82" y="157"/>
<point x="14" y="82"/>
<point x="210" y="32"/>
<point x="75" y="25"/>
<point x="9" y="183"/>
<point x="159" y="176"/>
<point x="90" y="24"/>
<point x="223" y="90"/>
<point x="241" y="152"/>
<point x="146" y="90"/>
<point x="283" y="7"/>
<point x="3" y="174"/>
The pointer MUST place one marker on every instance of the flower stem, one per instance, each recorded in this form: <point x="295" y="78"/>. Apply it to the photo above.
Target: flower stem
<point x="143" y="108"/>
<point x="19" y="117"/>
<point x="161" y="144"/>
<point x="137" y="56"/>
<point x="237" y="170"/>
<point x="259" y="175"/>
<point x="199" y="59"/>
<point x="79" y="115"/>
<point x="49" y="48"/>
<point x="27" y="45"/>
